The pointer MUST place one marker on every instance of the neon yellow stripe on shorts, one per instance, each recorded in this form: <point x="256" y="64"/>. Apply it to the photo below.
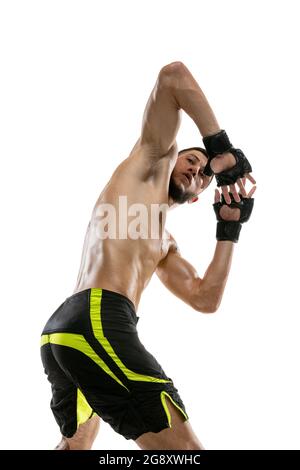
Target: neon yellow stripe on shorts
<point x="95" y="315"/>
<point x="163" y="396"/>
<point x="84" y="411"/>
<point x="44" y="339"/>
<point x="79" y="342"/>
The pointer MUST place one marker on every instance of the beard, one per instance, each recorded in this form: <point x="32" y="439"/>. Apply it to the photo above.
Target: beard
<point x="179" y="195"/>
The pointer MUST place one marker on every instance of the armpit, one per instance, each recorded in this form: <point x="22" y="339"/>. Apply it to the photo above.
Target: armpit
<point x="172" y="246"/>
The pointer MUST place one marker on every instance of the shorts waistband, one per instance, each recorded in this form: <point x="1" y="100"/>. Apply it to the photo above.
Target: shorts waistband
<point x="109" y="292"/>
<point x="104" y="290"/>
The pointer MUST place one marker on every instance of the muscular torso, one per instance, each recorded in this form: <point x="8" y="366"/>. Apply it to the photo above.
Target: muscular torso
<point x="126" y="265"/>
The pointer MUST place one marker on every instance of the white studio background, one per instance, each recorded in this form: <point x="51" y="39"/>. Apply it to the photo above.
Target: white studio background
<point x="75" y="78"/>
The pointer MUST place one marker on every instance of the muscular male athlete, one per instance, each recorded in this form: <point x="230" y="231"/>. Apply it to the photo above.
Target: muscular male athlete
<point x="90" y="347"/>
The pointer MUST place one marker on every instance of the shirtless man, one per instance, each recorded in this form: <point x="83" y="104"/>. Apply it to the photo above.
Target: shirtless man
<point x="90" y="347"/>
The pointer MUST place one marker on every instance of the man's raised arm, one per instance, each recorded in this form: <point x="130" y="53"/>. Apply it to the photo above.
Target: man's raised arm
<point x="174" y="89"/>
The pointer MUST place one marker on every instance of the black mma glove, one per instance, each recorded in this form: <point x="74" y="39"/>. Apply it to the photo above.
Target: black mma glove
<point x="230" y="229"/>
<point x="218" y="144"/>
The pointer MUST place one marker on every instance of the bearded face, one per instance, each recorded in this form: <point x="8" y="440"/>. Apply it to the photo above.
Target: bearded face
<point x="187" y="178"/>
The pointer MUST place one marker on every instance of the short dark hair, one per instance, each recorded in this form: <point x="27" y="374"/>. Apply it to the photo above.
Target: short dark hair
<point x="194" y="148"/>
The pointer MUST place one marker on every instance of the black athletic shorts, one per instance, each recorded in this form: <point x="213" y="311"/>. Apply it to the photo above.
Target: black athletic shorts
<point x="96" y="363"/>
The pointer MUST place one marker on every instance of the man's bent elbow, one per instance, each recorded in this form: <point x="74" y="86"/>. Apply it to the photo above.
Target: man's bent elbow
<point x="206" y="308"/>
<point x="171" y="72"/>
<point x="176" y="66"/>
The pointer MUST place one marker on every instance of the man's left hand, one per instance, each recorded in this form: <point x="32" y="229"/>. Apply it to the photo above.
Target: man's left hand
<point x="221" y="165"/>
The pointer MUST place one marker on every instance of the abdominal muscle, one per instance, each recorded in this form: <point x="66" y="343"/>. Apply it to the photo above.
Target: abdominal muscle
<point x="123" y="266"/>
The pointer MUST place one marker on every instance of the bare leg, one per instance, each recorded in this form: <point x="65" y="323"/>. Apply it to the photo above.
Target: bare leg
<point x="180" y="436"/>
<point x="84" y="437"/>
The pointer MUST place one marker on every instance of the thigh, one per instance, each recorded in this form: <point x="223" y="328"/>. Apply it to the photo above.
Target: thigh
<point x="179" y="436"/>
<point x="64" y="393"/>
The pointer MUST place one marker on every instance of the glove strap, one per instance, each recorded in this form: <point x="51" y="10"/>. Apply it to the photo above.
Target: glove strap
<point x="215" y="145"/>
<point x="228" y="230"/>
